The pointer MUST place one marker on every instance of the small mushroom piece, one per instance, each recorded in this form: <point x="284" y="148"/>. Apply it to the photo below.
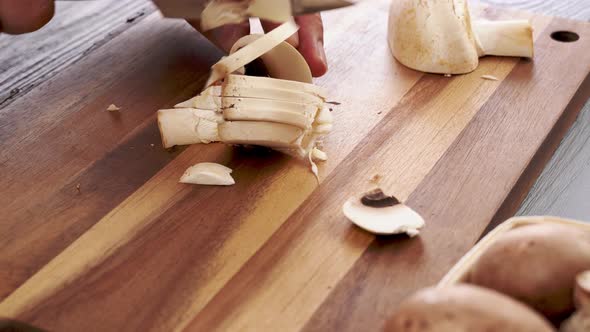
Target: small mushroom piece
<point x="380" y="214"/>
<point x="113" y="108"/>
<point x="317" y="154"/>
<point x="208" y="174"/>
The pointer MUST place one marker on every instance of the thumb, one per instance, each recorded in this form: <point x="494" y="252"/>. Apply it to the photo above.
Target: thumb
<point x="311" y="43"/>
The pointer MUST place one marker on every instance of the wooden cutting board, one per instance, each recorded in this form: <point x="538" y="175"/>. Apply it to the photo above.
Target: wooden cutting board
<point x="96" y="233"/>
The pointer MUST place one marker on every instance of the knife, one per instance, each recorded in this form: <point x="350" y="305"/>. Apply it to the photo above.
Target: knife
<point x="192" y="9"/>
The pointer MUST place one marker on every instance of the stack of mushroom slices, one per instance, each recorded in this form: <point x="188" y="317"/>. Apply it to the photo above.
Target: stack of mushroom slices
<point x="285" y="112"/>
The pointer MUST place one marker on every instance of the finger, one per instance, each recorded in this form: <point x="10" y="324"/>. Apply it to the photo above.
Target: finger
<point x="226" y="36"/>
<point x="21" y="16"/>
<point x="311" y="43"/>
<point x="268" y="26"/>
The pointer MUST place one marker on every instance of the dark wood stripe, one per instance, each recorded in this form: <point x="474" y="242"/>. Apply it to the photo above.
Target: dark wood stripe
<point x="40" y="203"/>
<point x="393" y="268"/>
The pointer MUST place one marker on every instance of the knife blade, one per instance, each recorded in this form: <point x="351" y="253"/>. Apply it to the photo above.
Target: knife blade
<point x="192" y="9"/>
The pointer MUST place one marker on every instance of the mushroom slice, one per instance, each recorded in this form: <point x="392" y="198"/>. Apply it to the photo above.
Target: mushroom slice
<point x="318" y="154"/>
<point x="268" y="110"/>
<point x="383" y="215"/>
<point x="274" y="83"/>
<point x="206" y="99"/>
<point x="283" y="62"/>
<point x="183" y="126"/>
<point x="208" y="174"/>
<point x="251" y="52"/>
<point x="269" y="134"/>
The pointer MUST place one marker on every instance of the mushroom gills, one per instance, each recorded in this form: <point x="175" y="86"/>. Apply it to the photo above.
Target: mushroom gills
<point x="383" y="219"/>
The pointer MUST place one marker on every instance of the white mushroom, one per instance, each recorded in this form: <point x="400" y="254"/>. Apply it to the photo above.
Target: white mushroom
<point x="384" y="215"/>
<point x="438" y="36"/>
<point x="269" y="134"/>
<point x="274" y="60"/>
<point x="208" y="174"/>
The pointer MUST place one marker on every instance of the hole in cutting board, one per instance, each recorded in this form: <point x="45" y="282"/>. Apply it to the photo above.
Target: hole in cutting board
<point x="565" y="36"/>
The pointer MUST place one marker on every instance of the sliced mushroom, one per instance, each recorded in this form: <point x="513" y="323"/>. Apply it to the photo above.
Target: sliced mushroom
<point x="274" y="135"/>
<point x="438" y="36"/>
<point x="283" y="61"/>
<point x="380" y="214"/>
<point x="208" y="174"/>
<point x="251" y="52"/>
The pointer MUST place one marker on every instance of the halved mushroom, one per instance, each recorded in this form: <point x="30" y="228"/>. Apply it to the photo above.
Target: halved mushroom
<point x="208" y="174"/>
<point x="380" y="214"/>
<point x="438" y="36"/>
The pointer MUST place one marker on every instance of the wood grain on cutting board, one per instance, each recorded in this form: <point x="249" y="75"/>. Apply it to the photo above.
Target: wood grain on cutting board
<point x="132" y="249"/>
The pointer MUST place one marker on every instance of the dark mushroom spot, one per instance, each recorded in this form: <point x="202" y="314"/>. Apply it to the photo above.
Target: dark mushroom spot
<point x="377" y="199"/>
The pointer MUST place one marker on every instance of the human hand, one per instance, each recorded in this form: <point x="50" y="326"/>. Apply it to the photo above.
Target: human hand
<point x="309" y="40"/>
<point x="22" y="16"/>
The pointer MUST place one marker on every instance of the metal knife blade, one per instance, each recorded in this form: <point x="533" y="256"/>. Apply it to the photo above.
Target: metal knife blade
<point x="192" y="9"/>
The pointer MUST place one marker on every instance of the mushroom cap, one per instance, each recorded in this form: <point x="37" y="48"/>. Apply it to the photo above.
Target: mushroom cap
<point x="433" y="36"/>
<point x="389" y="220"/>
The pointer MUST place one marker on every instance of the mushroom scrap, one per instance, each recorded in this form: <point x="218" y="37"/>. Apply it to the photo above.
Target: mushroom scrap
<point x="438" y="36"/>
<point x="285" y="112"/>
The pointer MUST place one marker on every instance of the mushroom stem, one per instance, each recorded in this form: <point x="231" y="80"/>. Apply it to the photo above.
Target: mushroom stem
<point x="504" y="38"/>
